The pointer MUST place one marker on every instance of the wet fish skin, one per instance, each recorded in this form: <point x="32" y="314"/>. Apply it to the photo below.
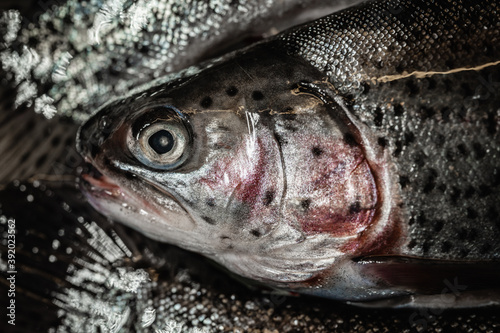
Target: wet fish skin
<point x="423" y="91"/>
<point x="301" y="255"/>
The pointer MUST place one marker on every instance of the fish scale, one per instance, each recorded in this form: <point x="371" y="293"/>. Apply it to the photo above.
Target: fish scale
<point x="400" y="80"/>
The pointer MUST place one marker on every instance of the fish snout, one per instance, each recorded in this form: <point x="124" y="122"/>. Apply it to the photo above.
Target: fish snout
<point x="92" y="134"/>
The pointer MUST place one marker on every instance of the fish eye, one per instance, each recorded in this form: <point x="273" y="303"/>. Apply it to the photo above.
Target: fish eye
<point x="159" y="140"/>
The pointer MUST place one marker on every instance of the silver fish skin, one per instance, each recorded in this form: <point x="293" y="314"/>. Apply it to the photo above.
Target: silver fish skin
<point x="355" y="157"/>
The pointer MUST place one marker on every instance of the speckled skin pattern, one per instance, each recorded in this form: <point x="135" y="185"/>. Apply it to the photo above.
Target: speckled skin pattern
<point x="442" y="129"/>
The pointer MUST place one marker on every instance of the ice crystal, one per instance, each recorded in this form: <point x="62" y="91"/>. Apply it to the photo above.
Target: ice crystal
<point x="12" y="19"/>
<point x="44" y="105"/>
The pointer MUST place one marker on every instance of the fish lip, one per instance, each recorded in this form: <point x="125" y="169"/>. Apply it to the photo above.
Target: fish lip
<point x="95" y="184"/>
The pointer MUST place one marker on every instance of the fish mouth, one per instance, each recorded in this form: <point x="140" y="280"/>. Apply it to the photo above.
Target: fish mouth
<point x="96" y="181"/>
<point x="102" y="192"/>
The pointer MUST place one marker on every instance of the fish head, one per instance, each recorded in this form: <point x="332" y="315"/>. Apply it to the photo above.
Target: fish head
<point x="246" y="162"/>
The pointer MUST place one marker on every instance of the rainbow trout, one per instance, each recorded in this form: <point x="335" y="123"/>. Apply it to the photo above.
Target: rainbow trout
<point x="355" y="157"/>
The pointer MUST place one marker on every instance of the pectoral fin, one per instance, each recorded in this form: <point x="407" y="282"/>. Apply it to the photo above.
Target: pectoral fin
<point x="433" y="283"/>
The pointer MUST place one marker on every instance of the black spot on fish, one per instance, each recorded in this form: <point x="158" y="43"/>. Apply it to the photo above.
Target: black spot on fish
<point x="472" y="234"/>
<point x="490" y="123"/>
<point x="438" y="225"/>
<point x="268" y="197"/>
<point x="430" y="182"/>
<point x="257" y="95"/>
<point x="232" y="91"/>
<point x="206" y="102"/>
<point x="355" y="207"/>
<point x="413" y="89"/>
<point x="469" y="192"/>
<point x="305" y="204"/>
<point x="421" y="219"/>
<point x="439" y="140"/>
<point x="412" y="244"/>
<point x="412" y="220"/>
<point x="404" y="181"/>
<point x="467" y="91"/>
<point x="462" y="234"/>
<point x="400" y="68"/>
<point x="450" y="155"/>
<point x="379" y="117"/>
<point x="399" y="148"/>
<point x="445" y="114"/>
<point x="350" y="140"/>
<point x="426" y="246"/>
<point x="495" y="178"/>
<point x="449" y="85"/>
<point x="446" y="247"/>
<point x="426" y="113"/>
<point x="409" y="137"/>
<point x="255" y="232"/>
<point x="382" y="142"/>
<point x="431" y="83"/>
<point x="454" y="195"/>
<point x="484" y="190"/>
<point x="485" y="248"/>
<point x="478" y="150"/>
<point x="317" y="151"/>
<point x="129" y="175"/>
<point x="208" y="220"/>
<point x="471" y="213"/>
<point x="462" y="150"/>
<point x="210" y="202"/>
<point x="398" y="110"/>
<point x="492" y="216"/>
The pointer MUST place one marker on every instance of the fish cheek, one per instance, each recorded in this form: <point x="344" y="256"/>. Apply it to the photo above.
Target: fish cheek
<point x="242" y="181"/>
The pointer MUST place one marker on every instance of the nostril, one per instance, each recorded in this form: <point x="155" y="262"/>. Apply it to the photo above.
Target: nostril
<point x="89" y="137"/>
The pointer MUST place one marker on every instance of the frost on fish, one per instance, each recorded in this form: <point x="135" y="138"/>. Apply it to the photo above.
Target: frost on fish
<point x="80" y="54"/>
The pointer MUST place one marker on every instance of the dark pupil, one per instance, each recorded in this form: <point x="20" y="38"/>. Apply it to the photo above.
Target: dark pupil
<point x="162" y="142"/>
